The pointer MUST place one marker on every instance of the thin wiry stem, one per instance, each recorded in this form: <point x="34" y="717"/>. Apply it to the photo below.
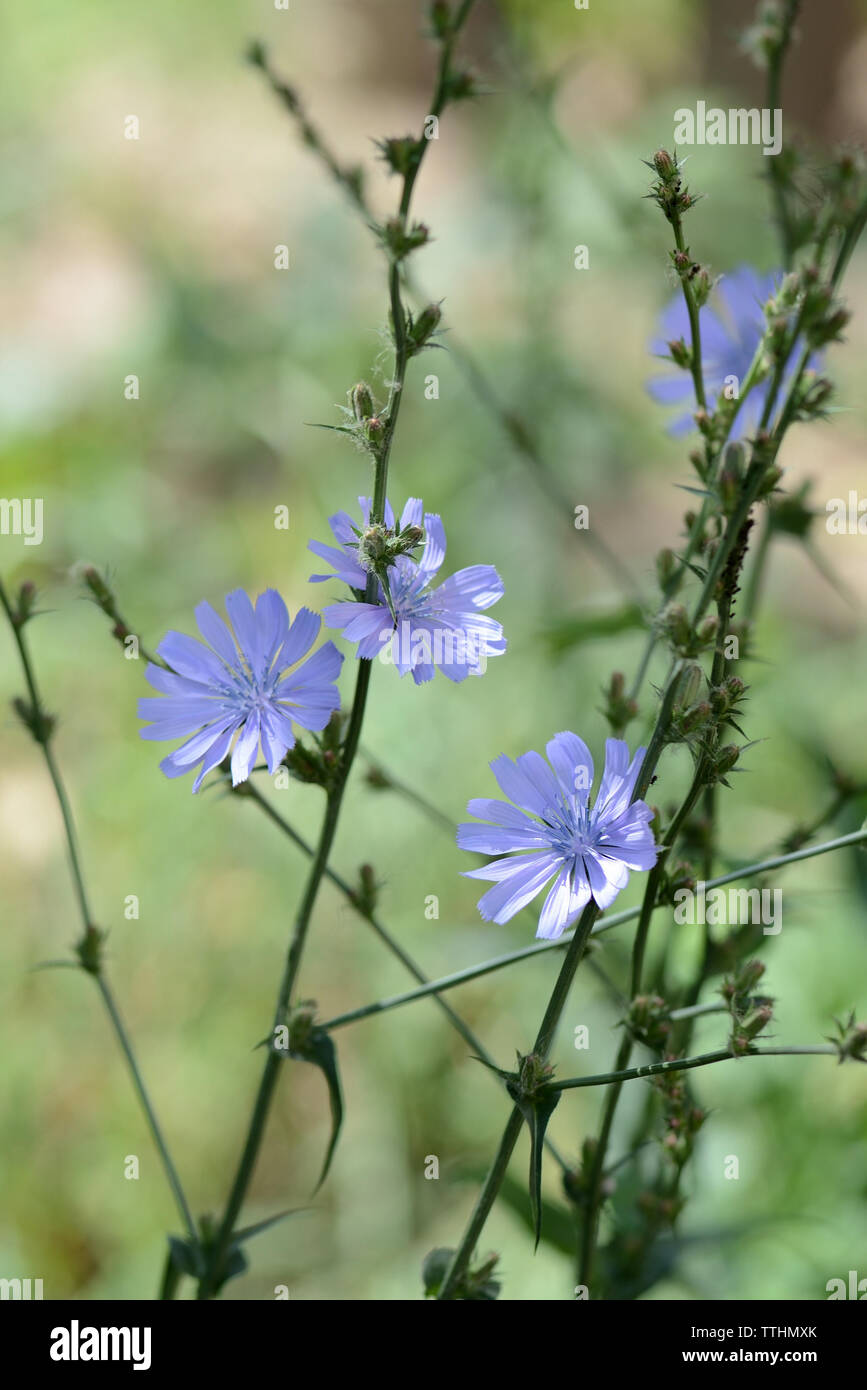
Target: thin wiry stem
<point x="705" y="1059"/>
<point x="42" y="735"/>
<point x="475" y="972"/>
<point x="381" y="454"/>
<point x="776" y="175"/>
<point x="394" y="946"/>
<point x="693" y="312"/>
<point x="516" y="429"/>
<point x="544" y="1039"/>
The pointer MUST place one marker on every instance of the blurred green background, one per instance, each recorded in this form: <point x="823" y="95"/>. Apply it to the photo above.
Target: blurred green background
<point x="156" y="257"/>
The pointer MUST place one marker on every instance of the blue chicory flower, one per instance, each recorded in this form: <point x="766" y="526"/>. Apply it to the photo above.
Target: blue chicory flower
<point x="729" y="338"/>
<point x="425" y="628"/>
<point x="236" y="682"/>
<point x="553" y="830"/>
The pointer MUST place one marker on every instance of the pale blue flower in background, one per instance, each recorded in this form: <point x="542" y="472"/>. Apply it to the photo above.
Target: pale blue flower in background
<point x="729" y="338"/>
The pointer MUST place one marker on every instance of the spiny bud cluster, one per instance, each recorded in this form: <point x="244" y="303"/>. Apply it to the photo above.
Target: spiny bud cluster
<point x="668" y="190"/>
<point x="751" y="1013"/>
<point x="379" y="545"/>
<point x="648" y="1022"/>
<point x="851" y="1042"/>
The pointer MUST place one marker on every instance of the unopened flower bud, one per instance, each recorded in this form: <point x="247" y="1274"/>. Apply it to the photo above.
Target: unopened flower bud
<point x="365" y="895"/>
<point x="701" y="287"/>
<point x="748" y="976"/>
<point x="664" y="165"/>
<point x="362" y="401"/>
<point x="400" y="153"/>
<point x="755" y="1021"/>
<point x="675" y="624"/>
<point x="726" y="759"/>
<point x="26" y="598"/>
<point x="666" y="565"/>
<point x="89" y="950"/>
<point x="424" y="327"/>
<point x="695" y="717"/>
<point x="703" y="421"/>
<point x="440" y="18"/>
<point x="681" y="355"/>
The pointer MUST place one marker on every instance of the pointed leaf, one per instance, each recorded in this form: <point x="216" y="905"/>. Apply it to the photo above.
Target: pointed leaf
<point x="320" y="1050"/>
<point x="536" y="1112"/>
<point x="559" y="1227"/>
<point x="249" y="1231"/>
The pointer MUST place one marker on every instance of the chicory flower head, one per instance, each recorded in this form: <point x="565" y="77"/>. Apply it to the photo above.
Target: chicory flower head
<point x="236" y="681"/>
<point x="410" y="624"/>
<point x="551" y="830"/>
<point x="729" y="338"/>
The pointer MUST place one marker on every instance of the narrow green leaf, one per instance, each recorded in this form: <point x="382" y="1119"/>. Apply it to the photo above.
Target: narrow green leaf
<point x="559" y="1226"/>
<point x="249" y="1231"/>
<point x="536" y="1112"/>
<point x="321" y="1052"/>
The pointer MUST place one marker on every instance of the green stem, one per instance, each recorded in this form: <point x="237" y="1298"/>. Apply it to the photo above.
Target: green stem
<point x="693" y="311"/>
<point x="381" y="456"/>
<point x="475" y="972"/>
<point x="541" y="1048"/>
<point x="153" y="1124"/>
<point x="706" y="1059"/>
<point x="87" y="920"/>
<point x="775" y="173"/>
<point x="268" y="1082"/>
<point x="388" y="940"/>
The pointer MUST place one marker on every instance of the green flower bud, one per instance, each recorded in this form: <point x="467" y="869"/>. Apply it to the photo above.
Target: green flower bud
<point x="366" y="893"/>
<point x="362" y="401"/>
<point x="400" y="153"/>
<point x="701" y="287"/>
<point x="695" y="718"/>
<point x="25" y="601"/>
<point x="89" y="950"/>
<point x="424" y="327"/>
<point x="690" y="687"/>
<point x="460" y="86"/>
<point x="726" y="759"/>
<point x="441" y="19"/>
<point x="666" y="566"/>
<point x="748" y="976"/>
<point x="851" y="1042"/>
<point x="675" y="624"/>
<point x="681" y="355"/>
<point x="755" y="1021"/>
<point x="38" y="721"/>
